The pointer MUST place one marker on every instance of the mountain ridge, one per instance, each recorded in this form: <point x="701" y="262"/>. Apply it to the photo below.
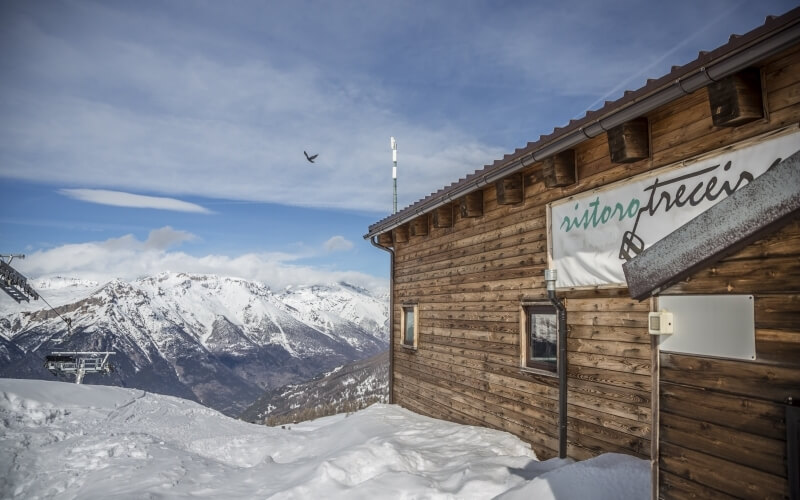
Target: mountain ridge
<point x="344" y="389"/>
<point x="217" y="340"/>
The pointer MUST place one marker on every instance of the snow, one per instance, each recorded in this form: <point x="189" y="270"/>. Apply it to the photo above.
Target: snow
<point x="75" y="441"/>
<point x="56" y="291"/>
<point x="148" y="310"/>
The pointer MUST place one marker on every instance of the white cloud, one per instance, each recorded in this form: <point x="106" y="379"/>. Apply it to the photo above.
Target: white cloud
<point x="165" y="237"/>
<point x="222" y="103"/>
<point x="337" y="243"/>
<point x="231" y="128"/>
<point x="121" y="199"/>
<point x="129" y="258"/>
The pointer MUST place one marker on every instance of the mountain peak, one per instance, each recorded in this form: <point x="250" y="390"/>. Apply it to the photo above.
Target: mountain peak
<point x="207" y="332"/>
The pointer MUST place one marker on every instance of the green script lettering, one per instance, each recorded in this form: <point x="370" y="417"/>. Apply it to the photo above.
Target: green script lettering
<point x="590" y="216"/>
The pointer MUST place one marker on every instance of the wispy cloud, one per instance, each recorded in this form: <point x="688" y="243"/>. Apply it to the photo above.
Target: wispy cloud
<point x="222" y="105"/>
<point x="337" y="244"/>
<point x="220" y="127"/>
<point x="166" y="237"/>
<point x="128" y="257"/>
<point x="122" y="199"/>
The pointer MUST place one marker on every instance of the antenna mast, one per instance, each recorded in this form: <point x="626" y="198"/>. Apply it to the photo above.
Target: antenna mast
<point x="394" y="172"/>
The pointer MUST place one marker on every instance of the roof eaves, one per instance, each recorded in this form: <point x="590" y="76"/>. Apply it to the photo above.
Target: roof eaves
<point x="676" y="82"/>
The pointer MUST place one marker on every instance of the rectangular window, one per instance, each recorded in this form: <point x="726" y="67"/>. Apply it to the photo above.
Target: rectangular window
<point x="539" y="346"/>
<point x="409" y="325"/>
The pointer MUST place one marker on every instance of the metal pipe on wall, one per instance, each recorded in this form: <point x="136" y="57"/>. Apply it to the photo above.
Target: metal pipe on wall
<point x="391" y="317"/>
<point x="550" y="279"/>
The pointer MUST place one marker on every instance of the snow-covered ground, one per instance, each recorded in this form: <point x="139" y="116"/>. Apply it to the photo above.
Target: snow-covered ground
<point x="56" y="291"/>
<point x="74" y="441"/>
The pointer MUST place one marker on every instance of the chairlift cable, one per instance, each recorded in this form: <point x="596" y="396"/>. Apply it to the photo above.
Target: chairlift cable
<point x="17" y="279"/>
<point x="58" y="363"/>
<point x="68" y="321"/>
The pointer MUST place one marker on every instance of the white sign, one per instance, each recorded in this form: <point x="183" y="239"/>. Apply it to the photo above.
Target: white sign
<point x="594" y="233"/>
<point x="710" y="325"/>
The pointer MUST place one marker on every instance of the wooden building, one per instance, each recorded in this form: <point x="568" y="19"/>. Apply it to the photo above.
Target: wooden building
<point x="675" y="208"/>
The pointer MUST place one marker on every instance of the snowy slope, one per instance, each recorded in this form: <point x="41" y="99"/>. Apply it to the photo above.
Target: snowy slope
<point x="57" y="291"/>
<point x="92" y="442"/>
<point x="324" y="306"/>
<point x="221" y="341"/>
<point x="347" y="388"/>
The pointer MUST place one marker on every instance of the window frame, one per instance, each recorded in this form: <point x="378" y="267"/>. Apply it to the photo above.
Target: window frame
<point x="414" y="309"/>
<point x="527" y="363"/>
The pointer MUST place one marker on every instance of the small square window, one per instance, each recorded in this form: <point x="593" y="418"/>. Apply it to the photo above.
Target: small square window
<point x="539" y="345"/>
<point x="409" y="325"/>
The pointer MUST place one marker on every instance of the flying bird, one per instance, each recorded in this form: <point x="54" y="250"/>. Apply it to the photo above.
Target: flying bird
<point x="310" y="158"/>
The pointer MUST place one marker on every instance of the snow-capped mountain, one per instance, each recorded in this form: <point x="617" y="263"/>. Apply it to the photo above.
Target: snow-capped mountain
<point x="325" y="307"/>
<point x="57" y="290"/>
<point x="220" y="341"/>
<point x="347" y="388"/>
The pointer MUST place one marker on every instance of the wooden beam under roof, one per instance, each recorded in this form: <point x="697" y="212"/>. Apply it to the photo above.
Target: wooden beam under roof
<point x="630" y="141"/>
<point x="472" y="204"/>
<point x="443" y="216"/>
<point x="736" y="99"/>
<point x="510" y="189"/>
<point x="400" y="234"/>
<point x="419" y="226"/>
<point x="385" y="239"/>
<point x="559" y="170"/>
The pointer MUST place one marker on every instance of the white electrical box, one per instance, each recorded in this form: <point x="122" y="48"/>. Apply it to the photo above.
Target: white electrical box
<point x="660" y="323"/>
<point x="710" y="325"/>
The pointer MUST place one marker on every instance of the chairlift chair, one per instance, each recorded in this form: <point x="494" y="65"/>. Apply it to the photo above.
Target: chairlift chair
<point x="78" y="363"/>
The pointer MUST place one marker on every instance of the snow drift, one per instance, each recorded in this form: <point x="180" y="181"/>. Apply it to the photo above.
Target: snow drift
<point x="86" y="442"/>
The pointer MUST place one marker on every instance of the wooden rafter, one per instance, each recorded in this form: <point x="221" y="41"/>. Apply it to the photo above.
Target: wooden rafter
<point x="559" y="169"/>
<point x="630" y="141"/>
<point x="736" y="99"/>
<point x="472" y="204"/>
<point x="510" y="190"/>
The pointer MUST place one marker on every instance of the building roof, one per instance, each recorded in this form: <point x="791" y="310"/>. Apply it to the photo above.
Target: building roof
<point x="776" y="34"/>
<point x="769" y="202"/>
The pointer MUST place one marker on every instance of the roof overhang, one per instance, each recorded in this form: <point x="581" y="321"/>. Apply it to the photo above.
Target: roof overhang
<point x="752" y="212"/>
<point x="740" y="52"/>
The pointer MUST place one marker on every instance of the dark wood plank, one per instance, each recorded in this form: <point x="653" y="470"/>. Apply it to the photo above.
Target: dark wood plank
<point x="678" y="488"/>
<point x="750" y="450"/>
<point x="728" y="477"/>
<point x="754" y="416"/>
<point x="755" y="380"/>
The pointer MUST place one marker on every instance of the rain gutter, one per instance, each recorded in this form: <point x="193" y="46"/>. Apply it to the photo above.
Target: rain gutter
<point x="699" y="78"/>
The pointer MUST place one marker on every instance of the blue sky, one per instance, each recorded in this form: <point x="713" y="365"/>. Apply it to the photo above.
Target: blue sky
<point x="139" y="137"/>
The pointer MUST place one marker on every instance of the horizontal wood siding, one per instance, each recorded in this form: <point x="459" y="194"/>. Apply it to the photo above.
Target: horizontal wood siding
<point x="722" y="422"/>
<point x="470" y="279"/>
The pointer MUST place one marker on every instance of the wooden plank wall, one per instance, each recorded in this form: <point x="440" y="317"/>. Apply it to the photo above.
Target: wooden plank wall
<point x="722" y="422"/>
<point x="469" y="280"/>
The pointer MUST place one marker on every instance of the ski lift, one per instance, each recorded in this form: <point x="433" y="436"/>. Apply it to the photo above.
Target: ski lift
<point x="58" y="363"/>
<point x="78" y="363"/>
<point x="13" y="283"/>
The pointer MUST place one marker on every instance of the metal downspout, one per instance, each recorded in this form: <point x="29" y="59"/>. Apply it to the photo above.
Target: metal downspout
<point x="550" y="279"/>
<point x="391" y="318"/>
